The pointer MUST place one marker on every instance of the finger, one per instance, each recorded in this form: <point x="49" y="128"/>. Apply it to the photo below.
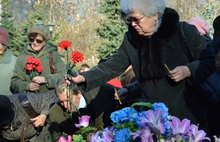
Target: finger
<point x="33" y="119"/>
<point x="68" y="82"/>
<point x="36" y="124"/>
<point x="74" y="74"/>
<point x="116" y="97"/>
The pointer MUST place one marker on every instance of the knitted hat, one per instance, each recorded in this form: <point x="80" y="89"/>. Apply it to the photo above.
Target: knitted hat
<point x="40" y="30"/>
<point x="201" y="25"/>
<point x="4" y="36"/>
<point x="216" y="23"/>
<point x="6" y="110"/>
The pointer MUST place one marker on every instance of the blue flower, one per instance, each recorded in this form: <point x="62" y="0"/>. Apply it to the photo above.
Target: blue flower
<point x="124" y="115"/>
<point x="117" y="116"/>
<point x="122" y="135"/>
<point x="164" y="108"/>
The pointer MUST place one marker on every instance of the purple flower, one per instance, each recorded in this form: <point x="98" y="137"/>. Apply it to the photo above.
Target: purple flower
<point x="96" y="137"/>
<point x="197" y="135"/>
<point x="179" y="127"/>
<point x="144" y="134"/>
<point x="107" y="134"/>
<point x="154" y="120"/>
<point x="83" y="121"/>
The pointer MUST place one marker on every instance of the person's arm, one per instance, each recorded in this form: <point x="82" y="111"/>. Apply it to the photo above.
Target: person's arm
<point x="204" y="58"/>
<point x="107" y="70"/>
<point x="41" y="103"/>
<point x="19" y="83"/>
<point x="52" y="131"/>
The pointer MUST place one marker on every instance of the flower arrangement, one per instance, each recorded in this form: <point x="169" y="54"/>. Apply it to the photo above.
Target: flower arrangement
<point x="153" y="125"/>
<point x="76" y="58"/>
<point x="33" y="66"/>
<point x="76" y="55"/>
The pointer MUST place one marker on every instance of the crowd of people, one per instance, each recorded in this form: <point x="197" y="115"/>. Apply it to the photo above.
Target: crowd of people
<point x="38" y="102"/>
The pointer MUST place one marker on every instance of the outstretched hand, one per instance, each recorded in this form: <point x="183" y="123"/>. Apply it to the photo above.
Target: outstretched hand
<point x="75" y="77"/>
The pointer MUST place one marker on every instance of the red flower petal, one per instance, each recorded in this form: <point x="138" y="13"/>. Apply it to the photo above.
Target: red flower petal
<point x="29" y="59"/>
<point x="77" y="56"/>
<point x="29" y="67"/>
<point x="39" y="69"/>
<point x="64" y="44"/>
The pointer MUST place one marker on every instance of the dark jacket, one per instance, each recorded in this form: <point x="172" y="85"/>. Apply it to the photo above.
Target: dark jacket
<point x="20" y="78"/>
<point x="147" y="55"/>
<point x="40" y="103"/>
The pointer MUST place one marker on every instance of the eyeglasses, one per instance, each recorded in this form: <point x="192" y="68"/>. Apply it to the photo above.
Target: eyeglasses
<point x="129" y="20"/>
<point x="37" y="40"/>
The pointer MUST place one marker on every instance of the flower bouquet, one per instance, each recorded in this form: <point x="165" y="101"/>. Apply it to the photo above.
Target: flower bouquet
<point x="33" y="66"/>
<point x="76" y="58"/>
<point x="153" y="125"/>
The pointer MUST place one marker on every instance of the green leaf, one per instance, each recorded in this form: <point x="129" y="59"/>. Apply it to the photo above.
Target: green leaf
<point x="87" y="129"/>
<point x="78" y="138"/>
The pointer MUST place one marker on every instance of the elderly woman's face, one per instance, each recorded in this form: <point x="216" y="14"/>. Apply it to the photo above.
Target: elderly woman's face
<point x="143" y="25"/>
<point x="37" y="43"/>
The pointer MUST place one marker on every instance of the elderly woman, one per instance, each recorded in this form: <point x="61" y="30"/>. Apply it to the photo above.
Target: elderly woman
<point x="38" y="57"/>
<point x="152" y="42"/>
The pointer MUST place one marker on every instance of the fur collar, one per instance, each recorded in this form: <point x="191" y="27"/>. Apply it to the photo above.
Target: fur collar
<point x="167" y="28"/>
<point x="169" y="23"/>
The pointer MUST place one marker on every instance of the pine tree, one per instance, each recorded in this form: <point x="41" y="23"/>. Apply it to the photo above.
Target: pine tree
<point x="14" y="44"/>
<point x="209" y="11"/>
<point x="111" y="29"/>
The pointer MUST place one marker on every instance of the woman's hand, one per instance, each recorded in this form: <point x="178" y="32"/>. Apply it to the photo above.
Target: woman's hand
<point x="39" y="120"/>
<point x="39" y="79"/>
<point x="179" y="73"/>
<point x="32" y="86"/>
<point x="76" y="78"/>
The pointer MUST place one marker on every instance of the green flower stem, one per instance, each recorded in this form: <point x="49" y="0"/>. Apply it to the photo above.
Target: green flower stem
<point x="147" y="104"/>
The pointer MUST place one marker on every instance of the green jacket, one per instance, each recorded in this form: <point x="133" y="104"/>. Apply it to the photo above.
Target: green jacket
<point x="21" y="79"/>
<point x="7" y="64"/>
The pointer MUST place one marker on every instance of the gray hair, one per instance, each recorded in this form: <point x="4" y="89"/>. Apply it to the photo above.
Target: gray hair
<point x="148" y="7"/>
<point x="61" y="87"/>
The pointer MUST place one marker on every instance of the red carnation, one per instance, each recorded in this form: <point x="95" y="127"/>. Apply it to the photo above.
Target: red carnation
<point x="33" y="65"/>
<point x="77" y="56"/>
<point x="29" y="67"/>
<point x="29" y="59"/>
<point x="36" y="61"/>
<point x="39" y="68"/>
<point x="64" y="44"/>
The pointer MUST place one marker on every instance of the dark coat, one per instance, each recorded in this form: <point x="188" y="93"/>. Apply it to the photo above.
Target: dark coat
<point x="147" y="55"/>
